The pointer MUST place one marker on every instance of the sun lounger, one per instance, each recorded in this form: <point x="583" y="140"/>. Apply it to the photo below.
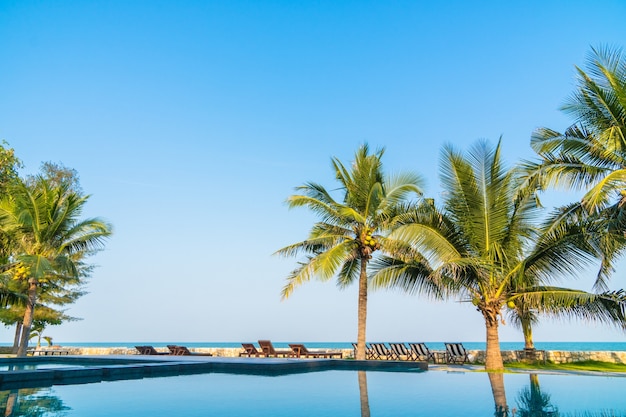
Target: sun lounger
<point x="250" y="350"/>
<point x="299" y="350"/>
<point x="369" y="352"/>
<point x="149" y="350"/>
<point x="421" y="352"/>
<point x="402" y="352"/>
<point x="382" y="352"/>
<point x="456" y="353"/>
<point x="184" y="351"/>
<point x="269" y="351"/>
<point x="46" y="352"/>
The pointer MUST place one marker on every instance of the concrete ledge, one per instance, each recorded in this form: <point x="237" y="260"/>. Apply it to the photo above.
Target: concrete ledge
<point x="476" y="356"/>
<point x="90" y="369"/>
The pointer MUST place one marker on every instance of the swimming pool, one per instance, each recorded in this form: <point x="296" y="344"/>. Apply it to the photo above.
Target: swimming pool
<point x="327" y="393"/>
<point x="36" y="366"/>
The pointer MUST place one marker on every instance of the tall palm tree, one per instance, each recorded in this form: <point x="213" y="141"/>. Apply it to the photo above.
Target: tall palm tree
<point x="51" y="241"/>
<point x="591" y="154"/>
<point x="351" y="229"/>
<point x="485" y="245"/>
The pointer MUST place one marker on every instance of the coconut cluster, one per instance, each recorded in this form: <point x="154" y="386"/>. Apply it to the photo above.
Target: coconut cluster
<point x="20" y="271"/>
<point x="371" y="242"/>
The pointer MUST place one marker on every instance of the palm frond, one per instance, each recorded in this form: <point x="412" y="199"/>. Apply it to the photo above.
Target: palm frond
<point x="608" y="307"/>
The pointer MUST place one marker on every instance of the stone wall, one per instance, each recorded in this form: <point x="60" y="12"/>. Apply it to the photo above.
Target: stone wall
<point x="555" y="356"/>
<point x="476" y="356"/>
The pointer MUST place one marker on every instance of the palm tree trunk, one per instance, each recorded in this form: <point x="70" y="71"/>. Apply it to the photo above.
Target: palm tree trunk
<point x="499" y="395"/>
<point x="536" y="399"/>
<point x="493" y="355"/>
<point x="28" y="317"/>
<point x="362" y="313"/>
<point x="11" y="401"/>
<point x="365" y="402"/>
<point x="527" y="330"/>
<point x="16" y="338"/>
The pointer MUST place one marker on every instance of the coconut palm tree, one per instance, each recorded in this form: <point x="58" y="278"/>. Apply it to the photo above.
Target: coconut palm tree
<point x="485" y="245"/>
<point x="566" y="230"/>
<point x="591" y="154"/>
<point x="351" y="228"/>
<point x="50" y="240"/>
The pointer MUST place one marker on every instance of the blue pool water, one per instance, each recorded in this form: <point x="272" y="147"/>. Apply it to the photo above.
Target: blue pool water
<point x="32" y="367"/>
<point x="331" y="393"/>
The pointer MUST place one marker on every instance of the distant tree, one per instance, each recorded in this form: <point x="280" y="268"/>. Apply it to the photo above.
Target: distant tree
<point x="43" y="316"/>
<point x="351" y="229"/>
<point x="9" y="165"/>
<point x="57" y="175"/>
<point x="51" y="241"/>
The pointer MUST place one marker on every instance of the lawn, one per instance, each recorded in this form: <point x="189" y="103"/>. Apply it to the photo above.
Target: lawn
<point x="595" y="366"/>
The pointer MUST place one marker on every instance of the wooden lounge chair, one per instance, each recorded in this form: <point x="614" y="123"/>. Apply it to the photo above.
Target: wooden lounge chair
<point x="149" y="350"/>
<point x="382" y="352"/>
<point x="421" y="352"/>
<point x="269" y="351"/>
<point x="401" y="351"/>
<point x="250" y="350"/>
<point x="369" y="352"/>
<point x="184" y="351"/>
<point x="456" y="353"/>
<point x="299" y="350"/>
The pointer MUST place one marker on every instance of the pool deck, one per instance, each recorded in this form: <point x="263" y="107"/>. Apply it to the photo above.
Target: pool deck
<point x="92" y="369"/>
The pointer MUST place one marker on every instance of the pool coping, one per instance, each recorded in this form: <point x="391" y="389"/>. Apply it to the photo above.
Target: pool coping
<point x="96" y="369"/>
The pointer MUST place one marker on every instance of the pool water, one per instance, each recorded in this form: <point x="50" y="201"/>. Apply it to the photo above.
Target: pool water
<point x="36" y="366"/>
<point x="330" y="393"/>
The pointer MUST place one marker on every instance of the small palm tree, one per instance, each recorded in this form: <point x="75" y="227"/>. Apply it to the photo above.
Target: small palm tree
<point x="351" y="229"/>
<point x="50" y="240"/>
<point x="567" y="232"/>
<point x="485" y="245"/>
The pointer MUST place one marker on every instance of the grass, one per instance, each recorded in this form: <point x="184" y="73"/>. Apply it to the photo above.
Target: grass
<point x="595" y="366"/>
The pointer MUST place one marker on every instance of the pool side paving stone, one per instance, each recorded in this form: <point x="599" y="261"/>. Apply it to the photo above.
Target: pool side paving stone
<point x="93" y="369"/>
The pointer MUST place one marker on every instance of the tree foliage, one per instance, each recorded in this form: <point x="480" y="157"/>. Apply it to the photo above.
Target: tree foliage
<point x="352" y="227"/>
<point x="486" y="246"/>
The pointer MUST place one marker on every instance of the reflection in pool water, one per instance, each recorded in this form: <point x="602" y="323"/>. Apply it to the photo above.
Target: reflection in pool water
<point x="532" y="402"/>
<point x="330" y="393"/>
<point x="35" y="366"/>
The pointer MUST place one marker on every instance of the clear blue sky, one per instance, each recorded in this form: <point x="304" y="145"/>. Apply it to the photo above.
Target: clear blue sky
<point x="190" y="123"/>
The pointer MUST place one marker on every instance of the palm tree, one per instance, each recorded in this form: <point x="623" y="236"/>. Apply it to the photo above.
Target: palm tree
<point x="591" y="154"/>
<point x="485" y="245"/>
<point x="567" y="230"/>
<point x="51" y="242"/>
<point x="351" y="229"/>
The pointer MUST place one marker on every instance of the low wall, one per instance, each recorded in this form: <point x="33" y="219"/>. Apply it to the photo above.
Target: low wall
<point x="555" y="356"/>
<point x="476" y="356"/>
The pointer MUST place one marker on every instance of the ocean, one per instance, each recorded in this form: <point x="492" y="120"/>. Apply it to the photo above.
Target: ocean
<point x="565" y="346"/>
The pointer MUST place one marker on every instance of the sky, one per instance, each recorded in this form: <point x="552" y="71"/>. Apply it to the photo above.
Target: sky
<point x="190" y="123"/>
